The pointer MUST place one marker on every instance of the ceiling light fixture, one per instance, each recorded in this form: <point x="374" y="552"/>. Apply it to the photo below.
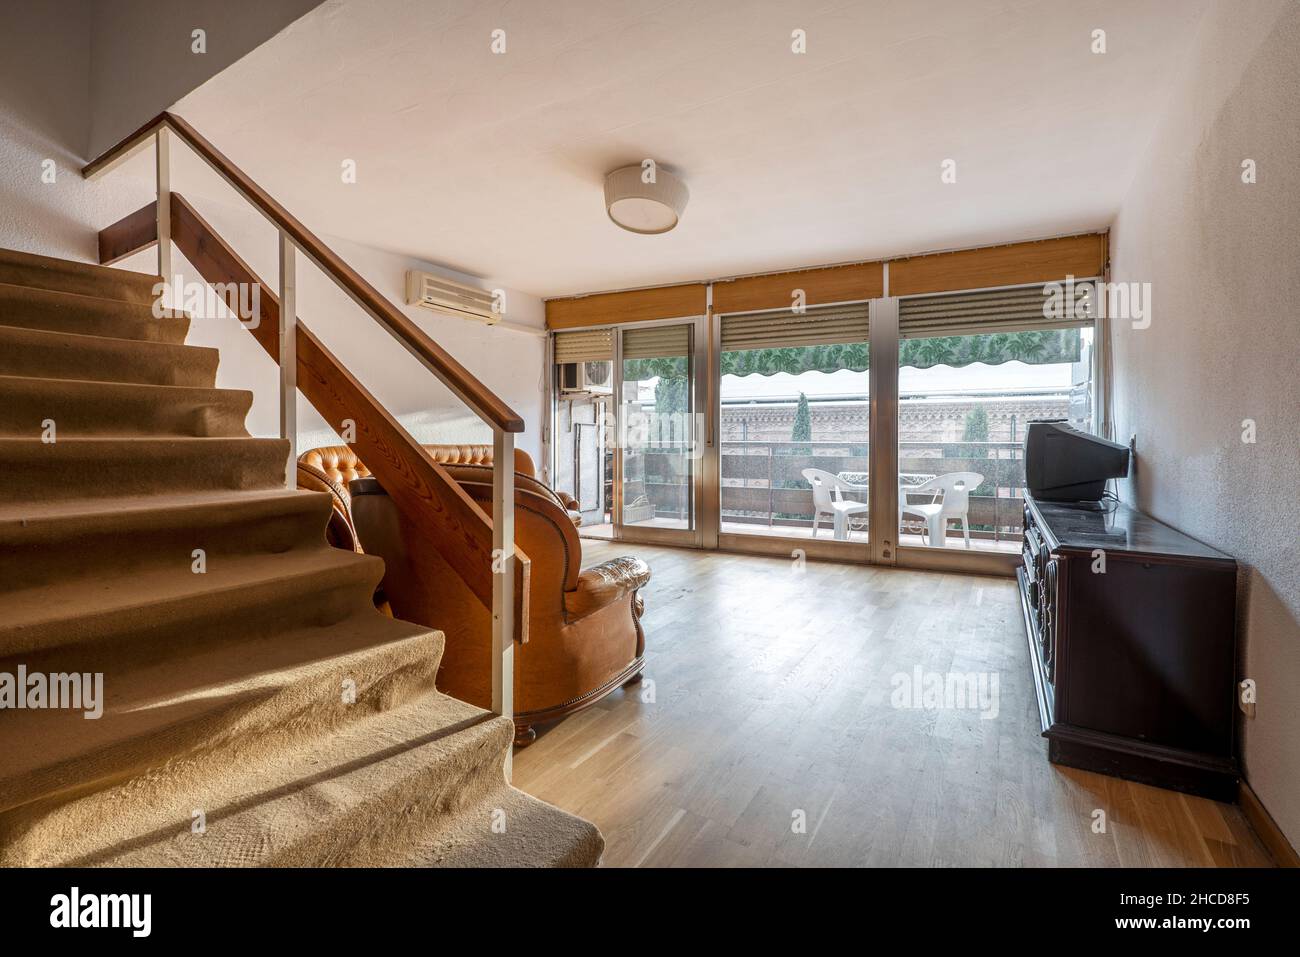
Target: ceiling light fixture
<point x="645" y="207"/>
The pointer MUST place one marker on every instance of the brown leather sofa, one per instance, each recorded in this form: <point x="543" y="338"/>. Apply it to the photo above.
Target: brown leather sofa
<point x="332" y="467"/>
<point x="584" y="631"/>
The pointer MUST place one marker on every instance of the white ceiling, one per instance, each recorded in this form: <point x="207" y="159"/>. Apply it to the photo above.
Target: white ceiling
<point x="493" y="164"/>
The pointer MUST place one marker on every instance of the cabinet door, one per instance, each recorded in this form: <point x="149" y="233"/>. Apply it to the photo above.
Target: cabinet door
<point x="1049" y="601"/>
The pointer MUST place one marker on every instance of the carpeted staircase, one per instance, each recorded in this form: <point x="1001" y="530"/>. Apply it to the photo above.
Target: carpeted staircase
<point x="229" y="735"/>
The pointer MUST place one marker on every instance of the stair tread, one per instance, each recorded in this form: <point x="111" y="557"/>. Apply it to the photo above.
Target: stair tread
<point x="85" y="608"/>
<point x="161" y="361"/>
<point x="208" y="697"/>
<point x="355" y="797"/>
<point x="274" y="805"/>
<point x="19" y="515"/>
<point x="106" y="466"/>
<point x="81" y="407"/>
<point x="111" y="385"/>
<point x="131" y="447"/>
<point x="33" y="307"/>
<point x="536" y="834"/>
<point x="164" y="583"/>
<point x="47" y="272"/>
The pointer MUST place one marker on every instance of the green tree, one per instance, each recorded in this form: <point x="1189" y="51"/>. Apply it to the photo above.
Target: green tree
<point x="802" y="431"/>
<point x="976" y="427"/>
<point x="671" y="395"/>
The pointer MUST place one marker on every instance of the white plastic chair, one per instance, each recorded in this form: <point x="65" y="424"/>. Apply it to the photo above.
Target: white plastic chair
<point x="955" y="487"/>
<point x="828" y="499"/>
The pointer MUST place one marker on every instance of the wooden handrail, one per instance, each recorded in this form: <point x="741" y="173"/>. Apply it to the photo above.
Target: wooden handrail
<point x="456" y="377"/>
<point x="426" y="495"/>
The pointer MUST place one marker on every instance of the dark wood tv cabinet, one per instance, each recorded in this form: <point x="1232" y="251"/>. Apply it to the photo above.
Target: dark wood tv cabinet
<point x="1132" y="641"/>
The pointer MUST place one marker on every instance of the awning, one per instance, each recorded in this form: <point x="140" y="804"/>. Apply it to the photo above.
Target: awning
<point x="1039" y="347"/>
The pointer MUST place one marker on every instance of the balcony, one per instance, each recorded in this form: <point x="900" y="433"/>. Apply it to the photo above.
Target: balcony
<point x="764" y="492"/>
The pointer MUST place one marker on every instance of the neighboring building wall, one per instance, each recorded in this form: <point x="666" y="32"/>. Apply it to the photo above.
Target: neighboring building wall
<point x="1223" y="260"/>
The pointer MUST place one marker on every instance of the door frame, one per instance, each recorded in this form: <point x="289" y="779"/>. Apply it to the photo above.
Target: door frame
<point x="759" y="543"/>
<point x="881" y="547"/>
<point x="699" y="366"/>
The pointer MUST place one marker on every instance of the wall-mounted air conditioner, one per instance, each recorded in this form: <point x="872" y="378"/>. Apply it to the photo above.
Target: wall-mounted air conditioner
<point x="587" y="378"/>
<point x="453" y="298"/>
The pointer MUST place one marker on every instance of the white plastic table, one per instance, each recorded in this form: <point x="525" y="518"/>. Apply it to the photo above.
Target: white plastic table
<point x="843" y="510"/>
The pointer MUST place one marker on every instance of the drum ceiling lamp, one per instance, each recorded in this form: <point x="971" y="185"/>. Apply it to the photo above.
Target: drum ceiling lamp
<point x="645" y="207"/>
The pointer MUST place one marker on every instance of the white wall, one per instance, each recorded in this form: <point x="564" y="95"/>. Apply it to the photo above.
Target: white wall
<point x="75" y="77"/>
<point x="508" y="362"/>
<point x="45" y="115"/>
<point x="46" y="112"/>
<point x="1223" y="258"/>
<point x="143" y="58"/>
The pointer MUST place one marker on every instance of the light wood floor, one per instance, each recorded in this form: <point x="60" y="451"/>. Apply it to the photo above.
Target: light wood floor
<point x="771" y="698"/>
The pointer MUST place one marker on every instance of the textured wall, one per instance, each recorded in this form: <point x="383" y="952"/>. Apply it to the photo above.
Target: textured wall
<point x="1223" y="258"/>
<point x="44" y="115"/>
<point x="509" y="363"/>
<point x="57" y="74"/>
<point x="76" y="76"/>
<point x="143" y="57"/>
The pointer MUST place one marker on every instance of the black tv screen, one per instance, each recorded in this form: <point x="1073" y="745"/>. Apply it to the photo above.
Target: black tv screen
<point x="1063" y="464"/>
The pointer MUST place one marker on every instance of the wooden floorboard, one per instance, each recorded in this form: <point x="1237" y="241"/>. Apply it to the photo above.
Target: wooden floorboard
<point x="766" y="734"/>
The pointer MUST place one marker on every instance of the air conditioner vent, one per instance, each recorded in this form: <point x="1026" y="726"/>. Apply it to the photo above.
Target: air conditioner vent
<point x="452" y="298"/>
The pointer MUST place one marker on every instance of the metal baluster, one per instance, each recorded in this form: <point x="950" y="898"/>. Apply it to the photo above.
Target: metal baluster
<point x="289" y="356"/>
<point x="162" y="169"/>
<point x="503" y="578"/>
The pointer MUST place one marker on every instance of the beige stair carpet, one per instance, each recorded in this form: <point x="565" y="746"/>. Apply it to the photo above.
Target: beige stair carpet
<point x="255" y="708"/>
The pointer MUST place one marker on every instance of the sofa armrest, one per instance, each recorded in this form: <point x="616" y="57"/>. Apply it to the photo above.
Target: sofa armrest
<point x="340" y="533"/>
<point x="570" y="505"/>
<point x="604" y="584"/>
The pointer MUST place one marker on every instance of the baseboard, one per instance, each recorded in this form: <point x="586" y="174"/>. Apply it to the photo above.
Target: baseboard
<point x="1269" y="833"/>
<point x="1193" y="772"/>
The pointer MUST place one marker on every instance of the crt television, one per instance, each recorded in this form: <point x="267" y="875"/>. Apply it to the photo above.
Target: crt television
<point x="1063" y="464"/>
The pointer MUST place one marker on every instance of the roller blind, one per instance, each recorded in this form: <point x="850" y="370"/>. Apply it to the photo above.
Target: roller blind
<point x="653" y="343"/>
<point x="823" y="326"/>
<point x="584" y="345"/>
<point x="980" y="313"/>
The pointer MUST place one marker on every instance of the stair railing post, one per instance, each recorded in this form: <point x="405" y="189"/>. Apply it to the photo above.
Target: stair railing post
<point x="289" y="356"/>
<point x="162" y="170"/>
<point x="503" y="578"/>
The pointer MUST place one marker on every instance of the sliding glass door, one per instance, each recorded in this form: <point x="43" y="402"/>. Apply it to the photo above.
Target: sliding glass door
<point x="628" y="437"/>
<point x="660" y="433"/>
<point x="974" y="369"/>
<point x="887" y="430"/>
<point x="794" y="428"/>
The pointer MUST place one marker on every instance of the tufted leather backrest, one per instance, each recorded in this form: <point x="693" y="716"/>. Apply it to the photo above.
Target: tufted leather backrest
<point x="543" y="528"/>
<point x="341" y="465"/>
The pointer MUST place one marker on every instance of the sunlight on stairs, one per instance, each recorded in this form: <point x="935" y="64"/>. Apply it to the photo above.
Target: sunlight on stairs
<point x="257" y="710"/>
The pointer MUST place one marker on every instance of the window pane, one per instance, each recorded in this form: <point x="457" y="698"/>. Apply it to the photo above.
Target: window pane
<point x="786" y="410"/>
<point x="961" y="429"/>
<point x="659" y="445"/>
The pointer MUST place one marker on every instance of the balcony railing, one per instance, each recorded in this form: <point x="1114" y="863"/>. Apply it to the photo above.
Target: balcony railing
<point x="763" y="485"/>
